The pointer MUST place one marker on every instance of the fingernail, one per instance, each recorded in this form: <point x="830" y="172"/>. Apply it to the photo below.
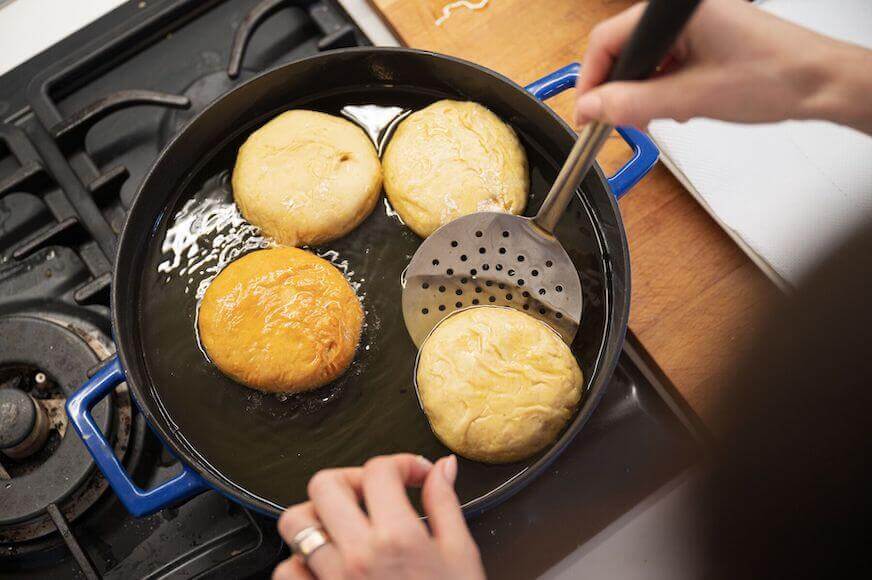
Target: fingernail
<point x="425" y="462"/>
<point x="449" y="469"/>
<point x="589" y="106"/>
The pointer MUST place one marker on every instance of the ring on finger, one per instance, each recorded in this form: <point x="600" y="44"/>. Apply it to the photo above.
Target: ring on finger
<point x="308" y="540"/>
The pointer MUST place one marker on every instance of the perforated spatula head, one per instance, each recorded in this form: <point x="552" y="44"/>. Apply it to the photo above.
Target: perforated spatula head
<point x="507" y="260"/>
<point x="490" y="258"/>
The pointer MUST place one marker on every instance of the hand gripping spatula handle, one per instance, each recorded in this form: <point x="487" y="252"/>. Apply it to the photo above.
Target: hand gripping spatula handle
<point x="660" y="25"/>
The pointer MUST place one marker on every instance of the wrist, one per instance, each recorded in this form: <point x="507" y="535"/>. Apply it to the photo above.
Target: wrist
<point x="839" y="90"/>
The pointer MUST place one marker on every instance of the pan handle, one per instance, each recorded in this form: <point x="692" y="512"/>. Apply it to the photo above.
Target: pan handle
<point x="137" y="501"/>
<point x="645" y="152"/>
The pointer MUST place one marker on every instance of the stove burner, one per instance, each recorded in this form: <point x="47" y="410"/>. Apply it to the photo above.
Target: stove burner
<point x="43" y="358"/>
<point x="23" y="426"/>
<point x="47" y="402"/>
<point x="201" y="93"/>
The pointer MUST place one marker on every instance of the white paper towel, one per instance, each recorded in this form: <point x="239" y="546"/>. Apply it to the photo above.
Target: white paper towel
<point x="789" y="190"/>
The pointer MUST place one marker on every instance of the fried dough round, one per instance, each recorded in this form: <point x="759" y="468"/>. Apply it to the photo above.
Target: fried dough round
<point x="497" y="385"/>
<point x="451" y="159"/>
<point x="280" y="320"/>
<point x="307" y="178"/>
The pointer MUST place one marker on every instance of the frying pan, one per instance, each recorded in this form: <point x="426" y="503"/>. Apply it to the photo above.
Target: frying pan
<point x="258" y="449"/>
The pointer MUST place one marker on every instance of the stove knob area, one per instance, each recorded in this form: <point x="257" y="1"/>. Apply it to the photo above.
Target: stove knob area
<point x="23" y="424"/>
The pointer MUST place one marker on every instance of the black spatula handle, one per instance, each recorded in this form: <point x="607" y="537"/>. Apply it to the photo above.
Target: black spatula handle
<point x="654" y="35"/>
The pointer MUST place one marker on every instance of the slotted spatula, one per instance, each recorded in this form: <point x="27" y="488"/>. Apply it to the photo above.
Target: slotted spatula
<point x="489" y="258"/>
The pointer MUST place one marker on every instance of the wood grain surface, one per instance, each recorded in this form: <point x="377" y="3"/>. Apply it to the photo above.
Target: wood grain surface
<point x="696" y="297"/>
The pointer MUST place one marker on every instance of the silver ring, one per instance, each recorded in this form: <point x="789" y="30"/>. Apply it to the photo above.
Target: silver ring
<point x="308" y="540"/>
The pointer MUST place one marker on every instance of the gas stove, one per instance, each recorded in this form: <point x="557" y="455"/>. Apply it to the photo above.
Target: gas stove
<point x="80" y="124"/>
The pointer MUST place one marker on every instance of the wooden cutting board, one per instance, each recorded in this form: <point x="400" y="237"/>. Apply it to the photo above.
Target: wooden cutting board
<point x="696" y="296"/>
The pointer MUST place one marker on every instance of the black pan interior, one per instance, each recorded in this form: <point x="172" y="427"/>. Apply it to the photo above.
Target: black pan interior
<point x="264" y="449"/>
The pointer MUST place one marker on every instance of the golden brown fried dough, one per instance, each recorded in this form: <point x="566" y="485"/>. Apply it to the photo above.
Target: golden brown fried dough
<point x="281" y="320"/>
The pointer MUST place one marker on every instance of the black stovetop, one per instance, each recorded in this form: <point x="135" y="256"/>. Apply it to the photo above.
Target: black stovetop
<point x="81" y="124"/>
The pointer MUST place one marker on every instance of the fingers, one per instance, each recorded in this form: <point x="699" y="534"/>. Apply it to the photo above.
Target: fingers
<point x="336" y="493"/>
<point x="292" y="569"/>
<point x="440" y="501"/>
<point x="677" y="96"/>
<point x="335" y="500"/>
<point x="604" y="46"/>
<point x="384" y="489"/>
<point x="624" y="103"/>
<point x="445" y="516"/>
<point x="390" y="534"/>
<point x="392" y="530"/>
<point x="325" y="562"/>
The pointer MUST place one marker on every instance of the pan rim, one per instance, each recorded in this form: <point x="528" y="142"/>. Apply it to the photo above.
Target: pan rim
<point x="615" y="328"/>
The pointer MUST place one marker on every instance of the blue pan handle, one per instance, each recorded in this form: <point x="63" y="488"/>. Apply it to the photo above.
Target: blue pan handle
<point x="645" y="153"/>
<point x="137" y="501"/>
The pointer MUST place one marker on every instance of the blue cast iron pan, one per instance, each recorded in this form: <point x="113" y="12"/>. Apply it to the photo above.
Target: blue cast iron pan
<point x="260" y="450"/>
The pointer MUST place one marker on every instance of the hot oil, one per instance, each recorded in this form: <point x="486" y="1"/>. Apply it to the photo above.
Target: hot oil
<point x="206" y="235"/>
<point x="271" y="445"/>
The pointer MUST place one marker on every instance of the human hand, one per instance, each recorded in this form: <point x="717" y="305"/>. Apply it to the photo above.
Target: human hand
<point x="388" y="540"/>
<point x="732" y="62"/>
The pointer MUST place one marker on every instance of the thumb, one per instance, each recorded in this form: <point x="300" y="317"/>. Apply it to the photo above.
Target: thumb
<point x="636" y="103"/>
<point x="441" y="504"/>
